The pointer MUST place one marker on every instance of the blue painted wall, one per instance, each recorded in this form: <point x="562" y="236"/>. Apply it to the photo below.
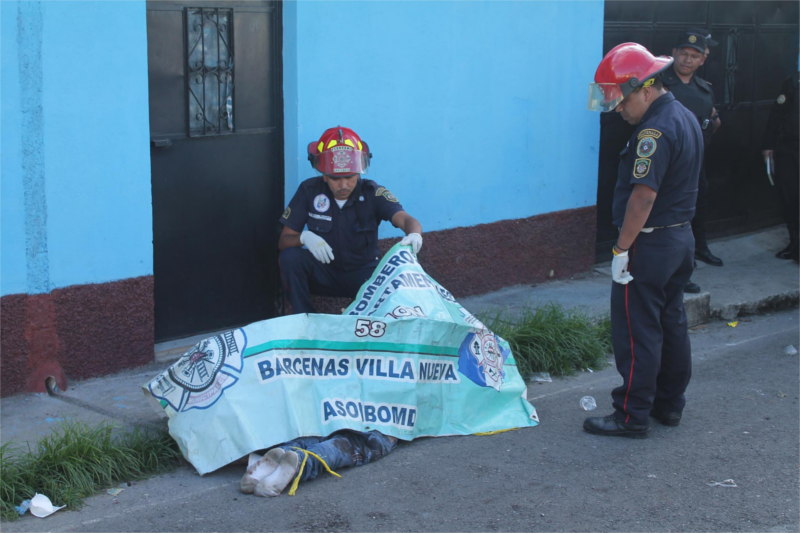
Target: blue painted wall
<point x="76" y="201"/>
<point x="12" y="198"/>
<point x="475" y="111"/>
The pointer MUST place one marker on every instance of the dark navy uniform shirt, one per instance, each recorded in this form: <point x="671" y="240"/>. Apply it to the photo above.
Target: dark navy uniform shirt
<point x="696" y="96"/>
<point x="352" y="230"/>
<point x="664" y="153"/>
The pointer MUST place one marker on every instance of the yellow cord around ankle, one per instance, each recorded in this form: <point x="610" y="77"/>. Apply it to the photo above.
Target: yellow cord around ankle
<point x="493" y="432"/>
<point x="296" y="482"/>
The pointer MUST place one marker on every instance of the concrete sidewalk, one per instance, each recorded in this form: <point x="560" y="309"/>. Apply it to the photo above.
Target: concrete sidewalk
<point x="751" y="281"/>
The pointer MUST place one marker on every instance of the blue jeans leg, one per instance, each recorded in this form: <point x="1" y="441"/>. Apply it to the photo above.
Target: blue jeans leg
<point x="347" y="448"/>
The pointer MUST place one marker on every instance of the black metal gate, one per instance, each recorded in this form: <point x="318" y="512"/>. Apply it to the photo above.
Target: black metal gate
<point x="216" y="132"/>
<point x="758" y="49"/>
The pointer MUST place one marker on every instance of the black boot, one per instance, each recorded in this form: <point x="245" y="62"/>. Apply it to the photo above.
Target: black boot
<point x="691" y="287"/>
<point x="792" y="249"/>
<point x="701" y="250"/>
<point x="666" y="418"/>
<point x="609" y="426"/>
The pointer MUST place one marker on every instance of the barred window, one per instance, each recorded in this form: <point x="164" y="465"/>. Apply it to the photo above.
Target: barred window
<point x="209" y="69"/>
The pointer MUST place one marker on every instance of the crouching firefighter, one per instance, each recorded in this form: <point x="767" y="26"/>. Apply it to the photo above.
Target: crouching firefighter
<point x="341" y="212"/>
<point x="654" y="202"/>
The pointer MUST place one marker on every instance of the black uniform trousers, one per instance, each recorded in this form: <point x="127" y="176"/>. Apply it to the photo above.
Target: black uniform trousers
<point x="648" y="325"/>
<point x="699" y="220"/>
<point x="786" y="174"/>
<point x="303" y="274"/>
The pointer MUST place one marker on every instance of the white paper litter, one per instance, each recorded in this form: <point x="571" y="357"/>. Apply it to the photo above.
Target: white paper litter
<point x="42" y="507"/>
<point x="724" y="484"/>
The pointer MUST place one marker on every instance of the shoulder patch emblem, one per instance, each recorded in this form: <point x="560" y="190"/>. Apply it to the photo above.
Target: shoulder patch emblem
<point x="781" y="99"/>
<point x="646" y="147"/>
<point x="649" y="132"/>
<point x="379" y="191"/>
<point x="641" y="167"/>
<point x="389" y="196"/>
<point x="287" y="213"/>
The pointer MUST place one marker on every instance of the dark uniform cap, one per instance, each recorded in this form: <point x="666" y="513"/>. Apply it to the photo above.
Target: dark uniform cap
<point x="701" y="31"/>
<point x="695" y="38"/>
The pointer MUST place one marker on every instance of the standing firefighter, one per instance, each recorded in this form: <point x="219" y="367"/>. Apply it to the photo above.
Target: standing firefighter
<point x="654" y="202"/>
<point x="781" y="142"/>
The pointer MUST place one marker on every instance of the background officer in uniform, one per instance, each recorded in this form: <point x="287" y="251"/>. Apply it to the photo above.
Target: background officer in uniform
<point x="781" y="141"/>
<point x="696" y="95"/>
<point x="342" y="212"/>
<point x="654" y="202"/>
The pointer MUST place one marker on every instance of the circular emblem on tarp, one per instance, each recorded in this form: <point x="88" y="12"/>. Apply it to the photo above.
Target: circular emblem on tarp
<point x="203" y="373"/>
<point x="198" y="368"/>
<point x="646" y="147"/>
<point x="481" y="358"/>
<point x="321" y="203"/>
<point x="781" y="99"/>
<point x="692" y="39"/>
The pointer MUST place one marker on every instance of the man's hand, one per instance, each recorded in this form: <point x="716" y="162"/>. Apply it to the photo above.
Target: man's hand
<point x="415" y="240"/>
<point x="767" y="154"/>
<point x="619" y="268"/>
<point x="317" y="246"/>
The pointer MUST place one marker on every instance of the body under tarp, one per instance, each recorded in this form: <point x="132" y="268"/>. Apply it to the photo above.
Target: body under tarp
<point x="405" y="359"/>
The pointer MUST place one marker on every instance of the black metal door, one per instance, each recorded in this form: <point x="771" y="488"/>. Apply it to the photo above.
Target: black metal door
<point x="757" y="51"/>
<point x="216" y="132"/>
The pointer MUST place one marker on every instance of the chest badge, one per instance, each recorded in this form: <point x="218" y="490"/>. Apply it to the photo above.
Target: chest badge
<point x="321" y="203"/>
<point x="641" y="167"/>
<point x="646" y="147"/>
<point x="781" y="99"/>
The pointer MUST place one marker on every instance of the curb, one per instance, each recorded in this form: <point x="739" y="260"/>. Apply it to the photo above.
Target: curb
<point x="698" y="309"/>
<point x="778" y="301"/>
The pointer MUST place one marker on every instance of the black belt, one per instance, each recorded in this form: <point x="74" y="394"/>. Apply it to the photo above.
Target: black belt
<point x="651" y="228"/>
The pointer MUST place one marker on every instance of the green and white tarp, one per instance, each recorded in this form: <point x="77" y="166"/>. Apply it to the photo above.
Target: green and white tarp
<point x="405" y="358"/>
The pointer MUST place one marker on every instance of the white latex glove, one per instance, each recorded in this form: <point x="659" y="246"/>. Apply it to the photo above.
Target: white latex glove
<point x="619" y="269"/>
<point x="317" y="246"/>
<point x="415" y="240"/>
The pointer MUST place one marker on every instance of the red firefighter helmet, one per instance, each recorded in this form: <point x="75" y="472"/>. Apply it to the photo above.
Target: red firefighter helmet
<point x="625" y="68"/>
<point x="339" y="151"/>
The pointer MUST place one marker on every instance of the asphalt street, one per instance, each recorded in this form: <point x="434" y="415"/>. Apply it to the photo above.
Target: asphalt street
<point x="741" y="422"/>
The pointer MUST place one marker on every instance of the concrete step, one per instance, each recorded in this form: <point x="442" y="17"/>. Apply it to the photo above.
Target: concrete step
<point x="752" y="281"/>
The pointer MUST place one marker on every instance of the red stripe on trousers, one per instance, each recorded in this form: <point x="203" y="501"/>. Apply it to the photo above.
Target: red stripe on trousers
<point x="630" y="333"/>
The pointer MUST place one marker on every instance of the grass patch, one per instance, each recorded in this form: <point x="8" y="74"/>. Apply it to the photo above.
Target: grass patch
<point x="77" y="461"/>
<point x="553" y="339"/>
